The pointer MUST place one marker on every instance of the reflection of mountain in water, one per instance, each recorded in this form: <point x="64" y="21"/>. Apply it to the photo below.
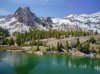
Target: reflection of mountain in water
<point x="49" y="64"/>
<point x="20" y="63"/>
<point x="66" y="65"/>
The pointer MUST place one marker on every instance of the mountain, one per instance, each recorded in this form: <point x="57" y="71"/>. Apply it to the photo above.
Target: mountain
<point x="86" y="22"/>
<point x="24" y="15"/>
<point x="23" y="19"/>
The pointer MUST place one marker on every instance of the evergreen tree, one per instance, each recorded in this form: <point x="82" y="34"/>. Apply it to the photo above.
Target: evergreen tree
<point x="5" y="42"/>
<point x="93" y="50"/>
<point x="38" y="49"/>
<point x="77" y="42"/>
<point x="79" y="47"/>
<point x="67" y="46"/>
<point x="96" y="32"/>
<point x="85" y="48"/>
<point x="59" y="47"/>
<point x="49" y="49"/>
<point x="92" y="40"/>
<point x="11" y="41"/>
<point x="18" y="40"/>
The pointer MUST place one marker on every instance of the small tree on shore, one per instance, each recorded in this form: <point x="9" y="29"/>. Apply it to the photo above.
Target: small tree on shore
<point x="92" y="40"/>
<point x="67" y="46"/>
<point x="49" y="49"/>
<point x="93" y="50"/>
<point x="79" y="47"/>
<point x="5" y="42"/>
<point x="11" y="41"/>
<point x="77" y="42"/>
<point x="59" y="47"/>
<point x="85" y="48"/>
<point x="38" y="49"/>
<point x="96" y="32"/>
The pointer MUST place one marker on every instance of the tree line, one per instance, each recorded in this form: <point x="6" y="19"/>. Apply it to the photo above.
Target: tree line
<point x="36" y="34"/>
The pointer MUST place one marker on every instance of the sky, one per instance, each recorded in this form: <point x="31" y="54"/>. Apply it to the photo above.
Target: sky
<point x="53" y="8"/>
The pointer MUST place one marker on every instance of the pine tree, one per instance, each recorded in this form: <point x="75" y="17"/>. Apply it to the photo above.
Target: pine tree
<point x="93" y="50"/>
<point x="18" y="40"/>
<point x="92" y="40"/>
<point x="11" y="41"/>
<point x="96" y="32"/>
<point x="67" y="46"/>
<point x="86" y="48"/>
<point x="49" y="49"/>
<point x="38" y="49"/>
<point x="79" y="47"/>
<point x="77" y="42"/>
<point x="59" y="47"/>
<point x="5" y="42"/>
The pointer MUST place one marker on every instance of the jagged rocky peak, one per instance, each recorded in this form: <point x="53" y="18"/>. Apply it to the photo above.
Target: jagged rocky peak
<point x="48" y="21"/>
<point x="24" y="15"/>
<point x="23" y="11"/>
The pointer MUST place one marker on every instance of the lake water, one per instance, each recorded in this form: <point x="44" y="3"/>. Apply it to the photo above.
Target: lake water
<point x="21" y="63"/>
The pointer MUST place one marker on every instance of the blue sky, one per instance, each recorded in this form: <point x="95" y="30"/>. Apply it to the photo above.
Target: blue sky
<point x="53" y="8"/>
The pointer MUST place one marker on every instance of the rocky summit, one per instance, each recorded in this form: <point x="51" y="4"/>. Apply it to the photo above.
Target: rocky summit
<point x="24" y="15"/>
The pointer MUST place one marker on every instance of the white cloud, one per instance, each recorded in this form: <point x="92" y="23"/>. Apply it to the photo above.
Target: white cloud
<point x="4" y="12"/>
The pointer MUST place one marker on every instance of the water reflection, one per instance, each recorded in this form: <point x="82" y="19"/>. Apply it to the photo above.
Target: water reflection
<point x="49" y="64"/>
<point x="6" y="69"/>
<point x="66" y="65"/>
<point x="14" y="59"/>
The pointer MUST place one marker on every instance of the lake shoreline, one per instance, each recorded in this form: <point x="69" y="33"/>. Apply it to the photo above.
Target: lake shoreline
<point x="28" y="51"/>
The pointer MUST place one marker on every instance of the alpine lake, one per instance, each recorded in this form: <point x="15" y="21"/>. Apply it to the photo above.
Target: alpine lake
<point x="22" y="63"/>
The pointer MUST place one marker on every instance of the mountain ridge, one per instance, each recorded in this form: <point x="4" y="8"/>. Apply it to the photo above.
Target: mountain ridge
<point x="23" y="19"/>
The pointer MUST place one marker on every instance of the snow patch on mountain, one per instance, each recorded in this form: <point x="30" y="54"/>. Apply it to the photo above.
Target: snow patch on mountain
<point x="85" y="21"/>
<point x="13" y="26"/>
